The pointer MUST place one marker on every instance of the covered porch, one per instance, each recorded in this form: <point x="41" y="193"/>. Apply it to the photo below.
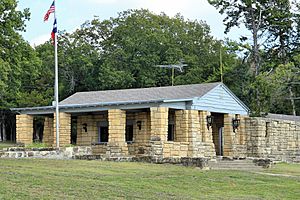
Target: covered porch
<point x="153" y="131"/>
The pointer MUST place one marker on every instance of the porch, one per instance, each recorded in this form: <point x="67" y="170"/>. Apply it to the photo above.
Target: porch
<point x="155" y="131"/>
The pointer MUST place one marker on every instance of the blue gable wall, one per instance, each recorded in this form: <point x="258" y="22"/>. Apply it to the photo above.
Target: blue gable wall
<point x="221" y="100"/>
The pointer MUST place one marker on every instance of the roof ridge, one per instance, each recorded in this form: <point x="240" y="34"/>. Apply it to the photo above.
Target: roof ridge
<point x="159" y="87"/>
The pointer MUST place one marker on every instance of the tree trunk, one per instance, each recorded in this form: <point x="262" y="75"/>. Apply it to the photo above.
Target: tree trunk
<point x="255" y="59"/>
<point x="1" y="132"/>
<point x="4" y="132"/>
<point x="292" y="100"/>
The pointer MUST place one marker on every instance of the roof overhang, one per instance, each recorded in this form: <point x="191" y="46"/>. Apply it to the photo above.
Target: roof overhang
<point x="78" y="108"/>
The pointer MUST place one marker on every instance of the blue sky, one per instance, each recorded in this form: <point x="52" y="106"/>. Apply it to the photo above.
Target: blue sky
<point x="72" y="13"/>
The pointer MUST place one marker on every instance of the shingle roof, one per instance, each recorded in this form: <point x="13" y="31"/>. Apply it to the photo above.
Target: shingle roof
<point x="140" y="94"/>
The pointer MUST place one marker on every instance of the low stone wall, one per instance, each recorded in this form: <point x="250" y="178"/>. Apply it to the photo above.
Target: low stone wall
<point x="273" y="138"/>
<point x="48" y="153"/>
<point x="175" y="149"/>
<point x="202" y="163"/>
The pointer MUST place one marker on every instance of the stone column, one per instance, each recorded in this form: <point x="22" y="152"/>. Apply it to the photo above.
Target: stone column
<point x="48" y="130"/>
<point x="256" y="141"/>
<point x="228" y="135"/>
<point x="159" y="123"/>
<point x="64" y="129"/>
<point x="24" y="128"/>
<point x="181" y="125"/>
<point x="206" y="133"/>
<point x="194" y="135"/>
<point x="159" y="131"/>
<point x="117" y="145"/>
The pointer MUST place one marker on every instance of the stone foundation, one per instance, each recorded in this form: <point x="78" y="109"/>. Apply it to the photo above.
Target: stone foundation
<point x="48" y="153"/>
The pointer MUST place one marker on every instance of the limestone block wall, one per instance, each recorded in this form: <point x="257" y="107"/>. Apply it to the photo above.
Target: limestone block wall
<point x="241" y="135"/>
<point x="64" y="129"/>
<point x="229" y="135"/>
<point x="24" y="129"/>
<point x="206" y="133"/>
<point x="192" y="138"/>
<point x="86" y="138"/>
<point x="273" y="138"/>
<point x="194" y="134"/>
<point x="99" y="149"/>
<point x="181" y="125"/>
<point x="159" y="123"/>
<point x="175" y="149"/>
<point x="141" y="135"/>
<point x="48" y="135"/>
<point x="117" y="145"/>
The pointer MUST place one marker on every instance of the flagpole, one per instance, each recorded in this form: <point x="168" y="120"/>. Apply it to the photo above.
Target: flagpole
<point x="56" y="84"/>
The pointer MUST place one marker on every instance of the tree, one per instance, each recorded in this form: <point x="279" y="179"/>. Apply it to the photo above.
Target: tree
<point x="11" y="22"/>
<point x="270" y="23"/>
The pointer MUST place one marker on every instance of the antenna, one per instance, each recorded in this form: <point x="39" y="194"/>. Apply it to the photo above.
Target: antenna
<point x="178" y="67"/>
<point x="221" y="64"/>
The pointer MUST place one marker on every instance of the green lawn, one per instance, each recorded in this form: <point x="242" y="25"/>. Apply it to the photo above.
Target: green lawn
<point x="6" y="144"/>
<point x="75" y="179"/>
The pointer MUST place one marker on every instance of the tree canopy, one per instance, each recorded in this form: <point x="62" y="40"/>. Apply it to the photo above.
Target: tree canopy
<point x="125" y="51"/>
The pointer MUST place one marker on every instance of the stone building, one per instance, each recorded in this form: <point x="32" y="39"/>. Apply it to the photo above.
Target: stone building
<point x="200" y="120"/>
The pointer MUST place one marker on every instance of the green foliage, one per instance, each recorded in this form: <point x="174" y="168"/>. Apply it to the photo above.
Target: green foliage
<point x="20" y="67"/>
<point x="123" y="52"/>
<point x="274" y="28"/>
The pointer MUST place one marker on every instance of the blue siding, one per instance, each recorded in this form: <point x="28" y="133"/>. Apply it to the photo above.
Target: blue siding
<point x="220" y="100"/>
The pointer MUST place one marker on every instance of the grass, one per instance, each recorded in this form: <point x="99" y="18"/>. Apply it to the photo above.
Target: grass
<point x="6" y="145"/>
<point x="286" y="169"/>
<point x="75" y="179"/>
<point x="37" y="145"/>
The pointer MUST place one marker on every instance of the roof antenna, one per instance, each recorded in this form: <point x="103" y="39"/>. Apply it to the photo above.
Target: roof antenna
<point x="221" y="63"/>
<point x="179" y="66"/>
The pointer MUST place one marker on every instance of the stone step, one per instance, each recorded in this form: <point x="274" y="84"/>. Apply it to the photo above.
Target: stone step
<point x="239" y="169"/>
<point x="224" y="164"/>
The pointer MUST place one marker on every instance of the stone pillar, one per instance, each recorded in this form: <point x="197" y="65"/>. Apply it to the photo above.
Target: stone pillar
<point x="159" y="123"/>
<point x="194" y="135"/>
<point x="64" y="129"/>
<point x="24" y="128"/>
<point x="159" y="119"/>
<point x="181" y="125"/>
<point x="228" y="135"/>
<point x="48" y="130"/>
<point x="117" y="145"/>
<point x="206" y="133"/>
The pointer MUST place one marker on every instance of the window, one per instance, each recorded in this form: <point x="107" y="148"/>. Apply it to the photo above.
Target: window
<point x="103" y="134"/>
<point x="129" y="133"/>
<point x="171" y="125"/>
<point x="171" y="132"/>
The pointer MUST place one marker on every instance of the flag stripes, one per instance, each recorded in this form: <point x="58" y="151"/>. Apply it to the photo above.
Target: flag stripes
<point x="48" y="13"/>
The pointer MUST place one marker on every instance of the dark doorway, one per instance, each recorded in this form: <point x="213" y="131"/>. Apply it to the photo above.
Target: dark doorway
<point x="217" y="132"/>
<point x="74" y="130"/>
<point x="38" y="129"/>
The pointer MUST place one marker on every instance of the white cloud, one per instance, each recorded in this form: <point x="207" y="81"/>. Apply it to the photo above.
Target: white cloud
<point x="40" y="40"/>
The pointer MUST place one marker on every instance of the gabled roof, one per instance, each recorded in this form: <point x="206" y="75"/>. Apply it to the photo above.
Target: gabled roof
<point x="176" y="97"/>
<point x="140" y="95"/>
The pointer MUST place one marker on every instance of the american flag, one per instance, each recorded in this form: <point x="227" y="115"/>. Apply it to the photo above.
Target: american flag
<point x="51" y="10"/>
